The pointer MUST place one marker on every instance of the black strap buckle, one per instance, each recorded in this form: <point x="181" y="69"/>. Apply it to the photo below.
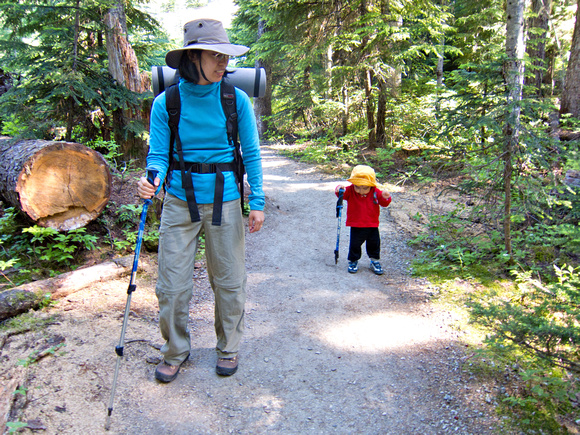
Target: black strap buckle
<point x="206" y="168"/>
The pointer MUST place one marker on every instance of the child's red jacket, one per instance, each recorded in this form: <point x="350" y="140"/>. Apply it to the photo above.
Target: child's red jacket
<point x="364" y="211"/>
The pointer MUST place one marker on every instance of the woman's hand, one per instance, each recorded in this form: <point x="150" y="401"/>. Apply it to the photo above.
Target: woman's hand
<point x="145" y="189"/>
<point x="256" y="220"/>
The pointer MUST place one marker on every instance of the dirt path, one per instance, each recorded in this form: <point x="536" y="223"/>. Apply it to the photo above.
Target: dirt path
<point x="325" y="352"/>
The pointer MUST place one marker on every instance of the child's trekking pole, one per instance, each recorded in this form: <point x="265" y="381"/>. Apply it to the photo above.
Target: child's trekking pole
<point x="119" y="349"/>
<point x="338" y="211"/>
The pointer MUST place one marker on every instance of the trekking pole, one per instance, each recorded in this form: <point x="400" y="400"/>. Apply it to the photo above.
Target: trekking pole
<point x="119" y="349"/>
<point x="338" y="210"/>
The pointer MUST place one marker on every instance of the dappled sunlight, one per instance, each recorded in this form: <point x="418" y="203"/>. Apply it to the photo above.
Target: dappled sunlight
<point x="378" y="332"/>
<point x="266" y="163"/>
<point x="295" y="186"/>
<point x="275" y="178"/>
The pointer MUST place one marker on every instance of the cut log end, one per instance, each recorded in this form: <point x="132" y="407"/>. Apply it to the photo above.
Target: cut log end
<point x="62" y="185"/>
<point x="71" y="219"/>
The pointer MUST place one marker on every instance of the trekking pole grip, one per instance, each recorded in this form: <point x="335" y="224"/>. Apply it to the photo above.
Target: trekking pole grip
<point x="151" y="175"/>
<point x="339" y="202"/>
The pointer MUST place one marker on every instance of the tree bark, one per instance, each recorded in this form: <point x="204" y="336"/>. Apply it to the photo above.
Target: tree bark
<point x="381" y="113"/>
<point x="439" y="73"/>
<point x="571" y="95"/>
<point x="124" y="68"/>
<point x="29" y="296"/>
<point x="514" y="73"/>
<point x="60" y="185"/>
<point x="370" y="110"/>
<point x="346" y="112"/>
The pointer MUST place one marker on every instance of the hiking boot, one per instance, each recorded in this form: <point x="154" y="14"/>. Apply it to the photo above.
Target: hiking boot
<point x="226" y="366"/>
<point x="166" y="373"/>
<point x="353" y="266"/>
<point x="376" y="267"/>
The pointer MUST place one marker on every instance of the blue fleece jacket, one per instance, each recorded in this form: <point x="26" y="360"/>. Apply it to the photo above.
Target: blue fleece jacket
<point x="202" y="129"/>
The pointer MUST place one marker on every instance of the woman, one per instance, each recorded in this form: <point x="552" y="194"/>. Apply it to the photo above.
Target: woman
<point x="202" y="130"/>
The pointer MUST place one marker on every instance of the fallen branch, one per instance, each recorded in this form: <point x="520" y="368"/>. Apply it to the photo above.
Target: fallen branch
<point x="29" y="296"/>
<point x="7" y="390"/>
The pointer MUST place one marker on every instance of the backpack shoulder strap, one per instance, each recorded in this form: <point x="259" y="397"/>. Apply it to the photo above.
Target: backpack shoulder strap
<point x="173" y="106"/>
<point x="228" y="99"/>
<point x="229" y="105"/>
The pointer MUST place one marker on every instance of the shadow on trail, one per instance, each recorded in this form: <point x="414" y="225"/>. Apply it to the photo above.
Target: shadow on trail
<point x="325" y="351"/>
<point x="332" y="352"/>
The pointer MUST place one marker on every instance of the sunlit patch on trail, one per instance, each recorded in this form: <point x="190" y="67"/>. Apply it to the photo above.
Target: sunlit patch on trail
<point x="274" y="163"/>
<point x="378" y="332"/>
<point x="275" y="178"/>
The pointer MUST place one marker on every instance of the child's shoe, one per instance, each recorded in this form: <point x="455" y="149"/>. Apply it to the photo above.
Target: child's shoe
<point x="376" y="267"/>
<point x="353" y="266"/>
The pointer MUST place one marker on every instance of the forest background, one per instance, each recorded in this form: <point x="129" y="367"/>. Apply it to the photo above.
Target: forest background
<point x="481" y="99"/>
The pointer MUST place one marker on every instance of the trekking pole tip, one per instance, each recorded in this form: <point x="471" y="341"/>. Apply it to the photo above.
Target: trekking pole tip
<point x="108" y="422"/>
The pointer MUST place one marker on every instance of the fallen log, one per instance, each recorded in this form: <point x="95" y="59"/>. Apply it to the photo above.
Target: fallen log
<point x="566" y="135"/>
<point x="20" y="299"/>
<point x="60" y="185"/>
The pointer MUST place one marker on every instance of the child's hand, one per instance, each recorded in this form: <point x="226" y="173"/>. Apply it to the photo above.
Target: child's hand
<point x="338" y="188"/>
<point x="386" y="194"/>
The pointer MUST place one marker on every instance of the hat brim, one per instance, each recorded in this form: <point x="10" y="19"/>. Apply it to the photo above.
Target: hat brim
<point x="173" y="57"/>
<point x="362" y="181"/>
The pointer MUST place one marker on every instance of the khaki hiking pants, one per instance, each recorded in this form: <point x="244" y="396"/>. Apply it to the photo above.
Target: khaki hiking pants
<point x="225" y="256"/>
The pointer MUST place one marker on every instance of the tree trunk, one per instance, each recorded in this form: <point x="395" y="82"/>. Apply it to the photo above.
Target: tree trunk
<point x="29" y="296"/>
<point x="371" y="126"/>
<point x="306" y="91"/>
<point x="60" y="185"/>
<point x="439" y="73"/>
<point x="394" y="79"/>
<point x="71" y="102"/>
<point x="263" y="105"/>
<point x="514" y="71"/>
<point x="5" y="81"/>
<point x="124" y="68"/>
<point x="571" y="95"/>
<point x="346" y="111"/>
<point x="536" y="46"/>
<point x="381" y="113"/>
<point x="328" y="71"/>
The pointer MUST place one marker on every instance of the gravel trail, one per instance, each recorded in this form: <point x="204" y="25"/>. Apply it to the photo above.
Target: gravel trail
<point x="325" y="351"/>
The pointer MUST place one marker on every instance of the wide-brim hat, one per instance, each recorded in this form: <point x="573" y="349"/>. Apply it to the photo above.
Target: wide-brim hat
<point x="363" y="175"/>
<point x="204" y="34"/>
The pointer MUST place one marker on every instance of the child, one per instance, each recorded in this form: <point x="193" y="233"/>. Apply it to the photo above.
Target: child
<point x="362" y="216"/>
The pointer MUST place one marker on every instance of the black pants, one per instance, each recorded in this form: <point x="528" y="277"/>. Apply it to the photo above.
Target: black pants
<point x="358" y="236"/>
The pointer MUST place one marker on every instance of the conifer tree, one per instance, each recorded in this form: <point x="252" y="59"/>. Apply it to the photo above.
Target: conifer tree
<point x="57" y="52"/>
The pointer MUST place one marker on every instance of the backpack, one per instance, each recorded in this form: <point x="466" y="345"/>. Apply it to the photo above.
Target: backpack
<point x="228" y="100"/>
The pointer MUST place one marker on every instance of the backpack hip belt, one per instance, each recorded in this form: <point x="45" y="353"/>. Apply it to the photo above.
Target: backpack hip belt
<point x="203" y="168"/>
